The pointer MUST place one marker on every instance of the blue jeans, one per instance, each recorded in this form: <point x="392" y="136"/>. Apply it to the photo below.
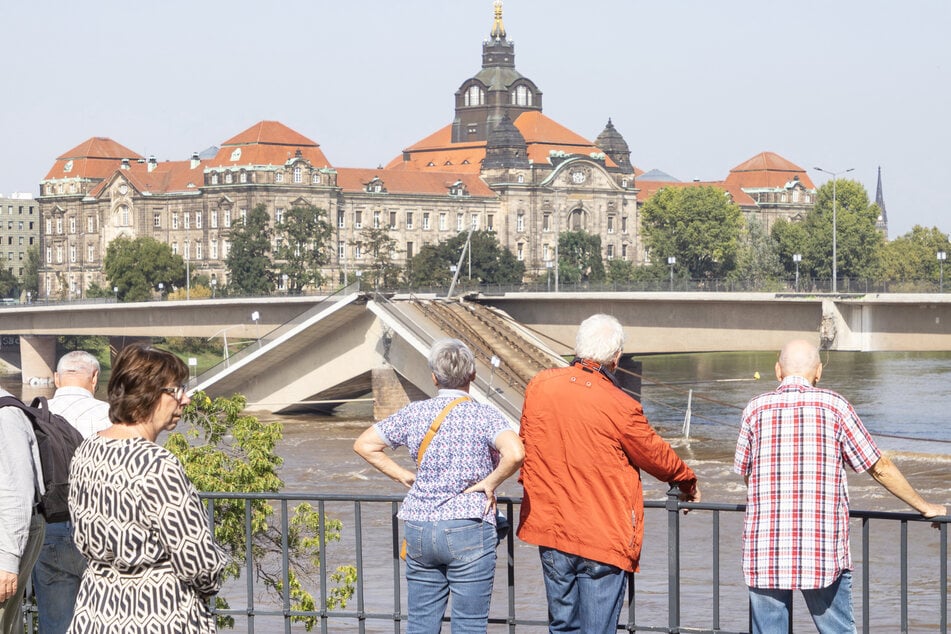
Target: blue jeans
<point x="450" y="556"/>
<point x="584" y="595"/>
<point x="831" y="608"/>
<point x="56" y="577"/>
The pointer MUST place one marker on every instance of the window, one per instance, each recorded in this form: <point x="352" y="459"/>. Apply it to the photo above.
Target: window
<point x="244" y="216"/>
<point x="90" y="253"/>
<point x="187" y="253"/>
<point x="226" y="248"/>
<point x="279" y="216"/>
<point x="610" y="251"/>
<point x="610" y="224"/>
<point x="72" y="253"/>
<point x="520" y="251"/>
<point x="520" y="178"/>
<point x="409" y="219"/>
<point x="198" y="250"/>
<point x="49" y="255"/>
<point x="376" y="219"/>
<point x="20" y="241"/>
<point x="315" y="178"/>
<point x="546" y="222"/>
<point x="546" y="252"/>
<point x="10" y="256"/>
<point x="227" y="218"/>
<point x="623" y="224"/>
<point x="392" y="220"/>
<point x="520" y="223"/>
<point x="475" y="221"/>
<point x="279" y="177"/>
<point x="460" y="222"/>
<point x="409" y="250"/>
<point x="358" y="250"/>
<point x="49" y="226"/>
<point x="187" y="220"/>
<point x="59" y="226"/>
<point x="214" y="220"/>
<point x="243" y="177"/>
<point x="522" y="96"/>
<point x="175" y="248"/>
<point x="426" y="220"/>
<point x="341" y="249"/>
<point x="443" y="222"/>
<point x="213" y="247"/>
<point x="228" y="178"/>
<point x="623" y="251"/>
<point x="358" y="220"/>
<point x="198" y="220"/>
<point x="20" y="225"/>
<point x="490" y="222"/>
<point x="298" y="175"/>
<point x="175" y="220"/>
<point x="214" y="179"/>
<point x="474" y="96"/>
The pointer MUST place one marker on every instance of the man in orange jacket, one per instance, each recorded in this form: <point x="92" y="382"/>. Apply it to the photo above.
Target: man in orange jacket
<point x="586" y="442"/>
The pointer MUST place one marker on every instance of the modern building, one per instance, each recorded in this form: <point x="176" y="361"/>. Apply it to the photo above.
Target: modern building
<point x="501" y="164"/>
<point x="19" y="231"/>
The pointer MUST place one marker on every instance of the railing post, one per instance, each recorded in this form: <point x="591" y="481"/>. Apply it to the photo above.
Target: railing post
<point x="673" y="559"/>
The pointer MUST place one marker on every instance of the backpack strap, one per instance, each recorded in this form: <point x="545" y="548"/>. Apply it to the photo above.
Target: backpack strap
<point x="435" y="427"/>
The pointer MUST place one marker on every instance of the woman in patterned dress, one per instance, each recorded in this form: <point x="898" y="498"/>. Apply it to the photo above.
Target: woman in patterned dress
<point x="449" y="511"/>
<point x="137" y="518"/>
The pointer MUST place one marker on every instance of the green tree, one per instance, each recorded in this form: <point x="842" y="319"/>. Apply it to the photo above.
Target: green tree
<point x="757" y="259"/>
<point x="911" y="259"/>
<point x="138" y="266"/>
<point x="379" y="247"/>
<point x="31" y="271"/>
<point x="700" y="226"/>
<point x="303" y="238"/>
<point x="9" y="284"/>
<point x="579" y="257"/>
<point x="226" y="451"/>
<point x="429" y="267"/>
<point x="620" y="271"/>
<point x="249" y="260"/>
<point x="491" y="263"/>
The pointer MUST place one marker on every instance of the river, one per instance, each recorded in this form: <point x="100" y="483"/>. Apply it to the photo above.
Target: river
<point x="903" y="398"/>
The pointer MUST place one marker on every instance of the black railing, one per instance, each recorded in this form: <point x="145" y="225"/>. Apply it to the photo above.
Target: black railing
<point x="698" y="587"/>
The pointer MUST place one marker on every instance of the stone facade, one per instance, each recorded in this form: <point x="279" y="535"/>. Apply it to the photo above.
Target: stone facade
<point x="19" y="230"/>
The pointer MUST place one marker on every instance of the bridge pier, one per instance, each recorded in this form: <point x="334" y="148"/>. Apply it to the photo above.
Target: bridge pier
<point x="389" y="394"/>
<point x="37" y="359"/>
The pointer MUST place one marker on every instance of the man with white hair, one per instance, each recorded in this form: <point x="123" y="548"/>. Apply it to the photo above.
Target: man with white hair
<point x="586" y="443"/>
<point x="59" y="569"/>
<point x="793" y="447"/>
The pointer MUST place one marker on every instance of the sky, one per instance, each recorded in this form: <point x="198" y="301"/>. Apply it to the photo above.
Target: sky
<point x="695" y="86"/>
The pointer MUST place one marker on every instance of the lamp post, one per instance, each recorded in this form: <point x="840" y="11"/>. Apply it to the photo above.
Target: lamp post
<point x="942" y="256"/>
<point x="671" y="261"/>
<point x="214" y="286"/>
<point x="115" y="291"/>
<point x="161" y="290"/>
<point x="188" y="275"/>
<point x="835" y="264"/>
<point x="797" y="258"/>
<point x="549" y="265"/>
<point x="255" y="317"/>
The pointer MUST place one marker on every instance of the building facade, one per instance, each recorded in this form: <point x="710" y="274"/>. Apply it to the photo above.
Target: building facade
<point x="501" y="164"/>
<point x="19" y="231"/>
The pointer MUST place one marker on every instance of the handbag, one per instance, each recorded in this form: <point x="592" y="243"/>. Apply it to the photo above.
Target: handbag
<point x="428" y="438"/>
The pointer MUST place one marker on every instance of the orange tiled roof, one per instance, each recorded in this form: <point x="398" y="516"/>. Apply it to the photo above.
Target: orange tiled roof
<point x="767" y="170"/>
<point x="267" y="143"/>
<point x="542" y="134"/>
<point x="167" y="177"/>
<point x="352" y="179"/>
<point x="94" y="158"/>
<point x="647" y="189"/>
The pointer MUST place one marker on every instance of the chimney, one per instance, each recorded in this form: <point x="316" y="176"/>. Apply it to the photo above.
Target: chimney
<point x="125" y="164"/>
<point x="196" y="160"/>
<point x="152" y="163"/>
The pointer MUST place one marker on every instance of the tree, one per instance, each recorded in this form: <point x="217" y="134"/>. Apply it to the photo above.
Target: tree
<point x="620" y="271"/>
<point x="379" y="246"/>
<point x="700" y="226"/>
<point x="912" y="258"/>
<point x="491" y="263"/>
<point x="9" y="284"/>
<point x="31" y="271"/>
<point x="757" y="259"/>
<point x="303" y="238"/>
<point x="429" y="267"/>
<point x="225" y="451"/>
<point x="137" y="267"/>
<point x="579" y="257"/>
<point x="249" y="260"/>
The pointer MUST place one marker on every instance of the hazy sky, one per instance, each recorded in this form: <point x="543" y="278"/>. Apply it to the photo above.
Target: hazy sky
<point x="696" y="87"/>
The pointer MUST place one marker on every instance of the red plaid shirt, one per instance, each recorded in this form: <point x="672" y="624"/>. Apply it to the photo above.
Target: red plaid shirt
<point x="794" y="444"/>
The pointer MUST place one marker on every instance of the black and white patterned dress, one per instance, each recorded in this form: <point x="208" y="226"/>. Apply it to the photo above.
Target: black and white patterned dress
<point x="138" y="520"/>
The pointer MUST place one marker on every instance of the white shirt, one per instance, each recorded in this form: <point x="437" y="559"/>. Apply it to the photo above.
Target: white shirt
<point x="83" y="411"/>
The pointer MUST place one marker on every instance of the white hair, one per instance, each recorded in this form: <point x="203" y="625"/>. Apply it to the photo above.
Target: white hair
<point x="452" y="363"/>
<point x="79" y="362"/>
<point x="600" y="337"/>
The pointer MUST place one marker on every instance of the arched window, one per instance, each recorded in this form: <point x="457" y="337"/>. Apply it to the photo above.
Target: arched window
<point x="475" y="96"/>
<point x="522" y="96"/>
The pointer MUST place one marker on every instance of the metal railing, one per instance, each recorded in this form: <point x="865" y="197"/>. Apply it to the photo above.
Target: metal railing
<point x="716" y="598"/>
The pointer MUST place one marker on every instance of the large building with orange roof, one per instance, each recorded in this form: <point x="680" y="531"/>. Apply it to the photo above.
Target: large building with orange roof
<point x="501" y="164"/>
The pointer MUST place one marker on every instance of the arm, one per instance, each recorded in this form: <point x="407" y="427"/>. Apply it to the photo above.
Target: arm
<point x="889" y="476"/>
<point x="17" y="490"/>
<point x="371" y="447"/>
<point x="512" y="455"/>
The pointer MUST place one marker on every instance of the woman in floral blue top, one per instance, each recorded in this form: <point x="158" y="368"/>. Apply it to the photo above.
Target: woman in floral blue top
<point x="449" y="511"/>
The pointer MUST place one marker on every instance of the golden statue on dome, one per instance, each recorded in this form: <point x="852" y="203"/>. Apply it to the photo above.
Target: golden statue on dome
<point x="498" y="29"/>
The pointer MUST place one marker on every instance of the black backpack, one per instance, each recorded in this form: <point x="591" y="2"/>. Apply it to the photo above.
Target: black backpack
<point x="57" y="441"/>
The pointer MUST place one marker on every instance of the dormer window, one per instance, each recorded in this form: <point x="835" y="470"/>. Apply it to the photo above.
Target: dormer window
<point x="475" y="96"/>
<point x="375" y="186"/>
<point x="298" y="175"/>
<point x="279" y="177"/>
<point x="522" y="96"/>
<point x="458" y="189"/>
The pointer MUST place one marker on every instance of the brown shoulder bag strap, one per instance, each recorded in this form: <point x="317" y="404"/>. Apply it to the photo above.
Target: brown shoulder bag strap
<point x="435" y="427"/>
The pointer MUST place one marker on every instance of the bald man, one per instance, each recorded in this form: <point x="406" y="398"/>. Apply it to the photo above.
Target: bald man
<point x="794" y="445"/>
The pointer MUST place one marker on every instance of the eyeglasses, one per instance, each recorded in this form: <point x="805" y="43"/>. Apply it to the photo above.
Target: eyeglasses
<point x="178" y="393"/>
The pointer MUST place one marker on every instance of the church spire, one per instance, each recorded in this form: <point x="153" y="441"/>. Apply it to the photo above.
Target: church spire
<point x="498" y="29"/>
<point x="882" y="224"/>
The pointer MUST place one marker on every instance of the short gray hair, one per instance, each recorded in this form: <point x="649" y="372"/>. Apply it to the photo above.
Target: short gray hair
<point x="600" y="337"/>
<point x="78" y="361"/>
<point x="452" y="363"/>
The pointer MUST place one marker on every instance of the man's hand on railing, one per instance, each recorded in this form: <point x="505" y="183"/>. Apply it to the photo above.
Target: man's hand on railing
<point x="692" y="494"/>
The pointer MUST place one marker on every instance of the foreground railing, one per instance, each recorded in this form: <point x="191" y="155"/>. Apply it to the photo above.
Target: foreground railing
<point x="697" y="587"/>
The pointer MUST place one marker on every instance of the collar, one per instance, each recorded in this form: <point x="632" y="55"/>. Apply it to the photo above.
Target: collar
<point x="72" y="390"/>
<point x="587" y="365"/>
<point x="795" y="381"/>
<point x="451" y="392"/>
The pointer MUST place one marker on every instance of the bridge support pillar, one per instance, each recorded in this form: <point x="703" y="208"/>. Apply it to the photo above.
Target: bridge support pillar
<point x="37" y="359"/>
<point x="389" y="394"/>
<point x="118" y="343"/>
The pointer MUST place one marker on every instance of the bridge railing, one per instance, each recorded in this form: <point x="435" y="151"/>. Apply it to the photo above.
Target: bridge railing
<point x="691" y="578"/>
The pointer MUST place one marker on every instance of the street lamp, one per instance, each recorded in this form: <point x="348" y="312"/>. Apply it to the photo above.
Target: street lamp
<point x="835" y="265"/>
<point x="188" y="275"/>
<point x="255" y="317"/>
<point x="671" y="261"/>
<point x="161" y="290"/>
<point x="549" y="265"/>
<point x="115" y="291"/>
<point x="214" y="286"/>
<point x="942" y="256"/>
<point x="797" y="258"/>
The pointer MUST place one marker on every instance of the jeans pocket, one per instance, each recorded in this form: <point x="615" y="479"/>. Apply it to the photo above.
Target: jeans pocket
<point x="467" y="543"/>
<point x="596" y="569"/>
<point x="413" y="534"/>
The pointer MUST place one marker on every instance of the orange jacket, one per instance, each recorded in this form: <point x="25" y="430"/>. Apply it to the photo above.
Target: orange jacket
<point x="586" y="442"/>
